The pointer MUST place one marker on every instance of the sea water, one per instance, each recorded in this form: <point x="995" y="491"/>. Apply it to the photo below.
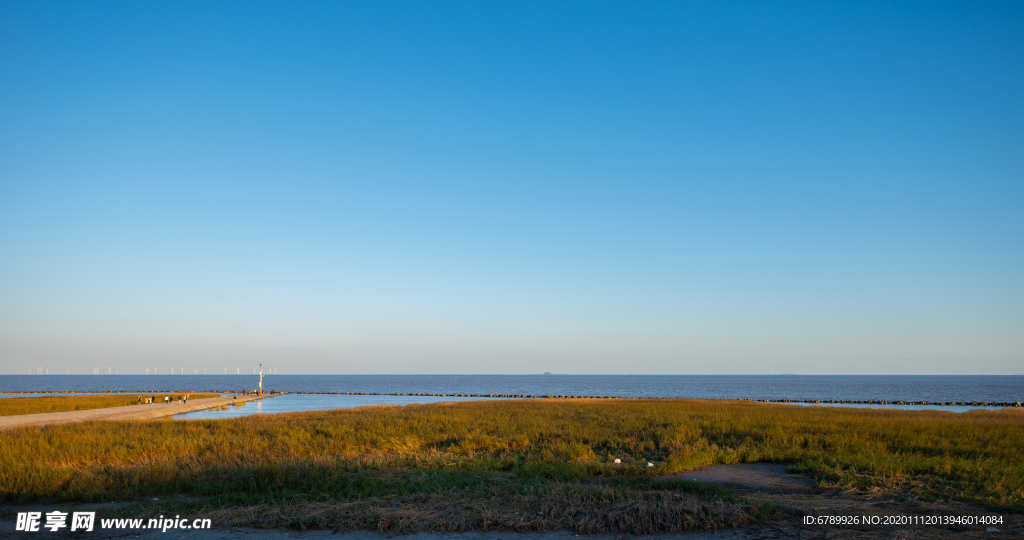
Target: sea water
<point x="932" y="388"/>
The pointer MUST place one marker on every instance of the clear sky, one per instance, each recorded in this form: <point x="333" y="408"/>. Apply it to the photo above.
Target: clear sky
<point x="513" y="187"/>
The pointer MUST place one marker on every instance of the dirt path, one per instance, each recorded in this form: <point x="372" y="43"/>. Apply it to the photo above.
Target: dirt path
<point x="7" y="531"/>
<point x="760" y="477"/>
<point x="129" y="412"/>
<point x="799" y="496"/>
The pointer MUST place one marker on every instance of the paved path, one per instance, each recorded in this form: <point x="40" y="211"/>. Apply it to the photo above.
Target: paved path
<point x="128" y="412"/>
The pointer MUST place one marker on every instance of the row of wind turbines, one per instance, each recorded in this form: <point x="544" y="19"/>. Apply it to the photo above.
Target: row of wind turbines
<point x="181" y="371"/>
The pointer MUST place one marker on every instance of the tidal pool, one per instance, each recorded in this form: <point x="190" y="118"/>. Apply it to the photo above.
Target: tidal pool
<point x="313" y="402"/>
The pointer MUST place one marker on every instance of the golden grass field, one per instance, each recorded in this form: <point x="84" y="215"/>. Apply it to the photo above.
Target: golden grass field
<point x="48" y="404"/>
<point x="501" y="452"/>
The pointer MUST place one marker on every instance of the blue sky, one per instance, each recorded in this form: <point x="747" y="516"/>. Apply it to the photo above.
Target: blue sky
<point x="513" y="187"/>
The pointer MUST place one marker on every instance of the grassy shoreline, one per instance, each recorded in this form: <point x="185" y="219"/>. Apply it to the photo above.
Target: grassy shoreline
<point x="49" y="404"/>
<point x="495" y="453"/>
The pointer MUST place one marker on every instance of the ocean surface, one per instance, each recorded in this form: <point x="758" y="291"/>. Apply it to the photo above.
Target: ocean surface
<point x="937" y="388"/>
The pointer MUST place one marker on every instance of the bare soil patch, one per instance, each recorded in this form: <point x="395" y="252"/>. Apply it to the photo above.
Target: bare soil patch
<point x="798" y="496"/>
<point x="759" y="477"/>
<point x="275" y="534"/>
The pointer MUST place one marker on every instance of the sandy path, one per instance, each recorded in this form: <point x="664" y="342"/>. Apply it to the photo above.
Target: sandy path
<point x="129" y="412"/>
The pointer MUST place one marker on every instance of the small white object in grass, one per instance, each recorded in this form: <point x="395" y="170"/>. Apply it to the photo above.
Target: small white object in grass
<point x="618" y="461"/>
<point x="649" y="464"/>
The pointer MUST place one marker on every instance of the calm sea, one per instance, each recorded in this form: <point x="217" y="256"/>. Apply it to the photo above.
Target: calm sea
<point x="983" y="388"/>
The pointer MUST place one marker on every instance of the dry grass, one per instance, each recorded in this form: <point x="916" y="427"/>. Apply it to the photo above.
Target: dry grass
<point x="456" y="450"/>
<point x="588" y="509"/>
<point x="48" y="404"/>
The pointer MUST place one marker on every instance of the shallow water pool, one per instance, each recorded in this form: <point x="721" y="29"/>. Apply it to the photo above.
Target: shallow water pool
<point x="313" y="402"/>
